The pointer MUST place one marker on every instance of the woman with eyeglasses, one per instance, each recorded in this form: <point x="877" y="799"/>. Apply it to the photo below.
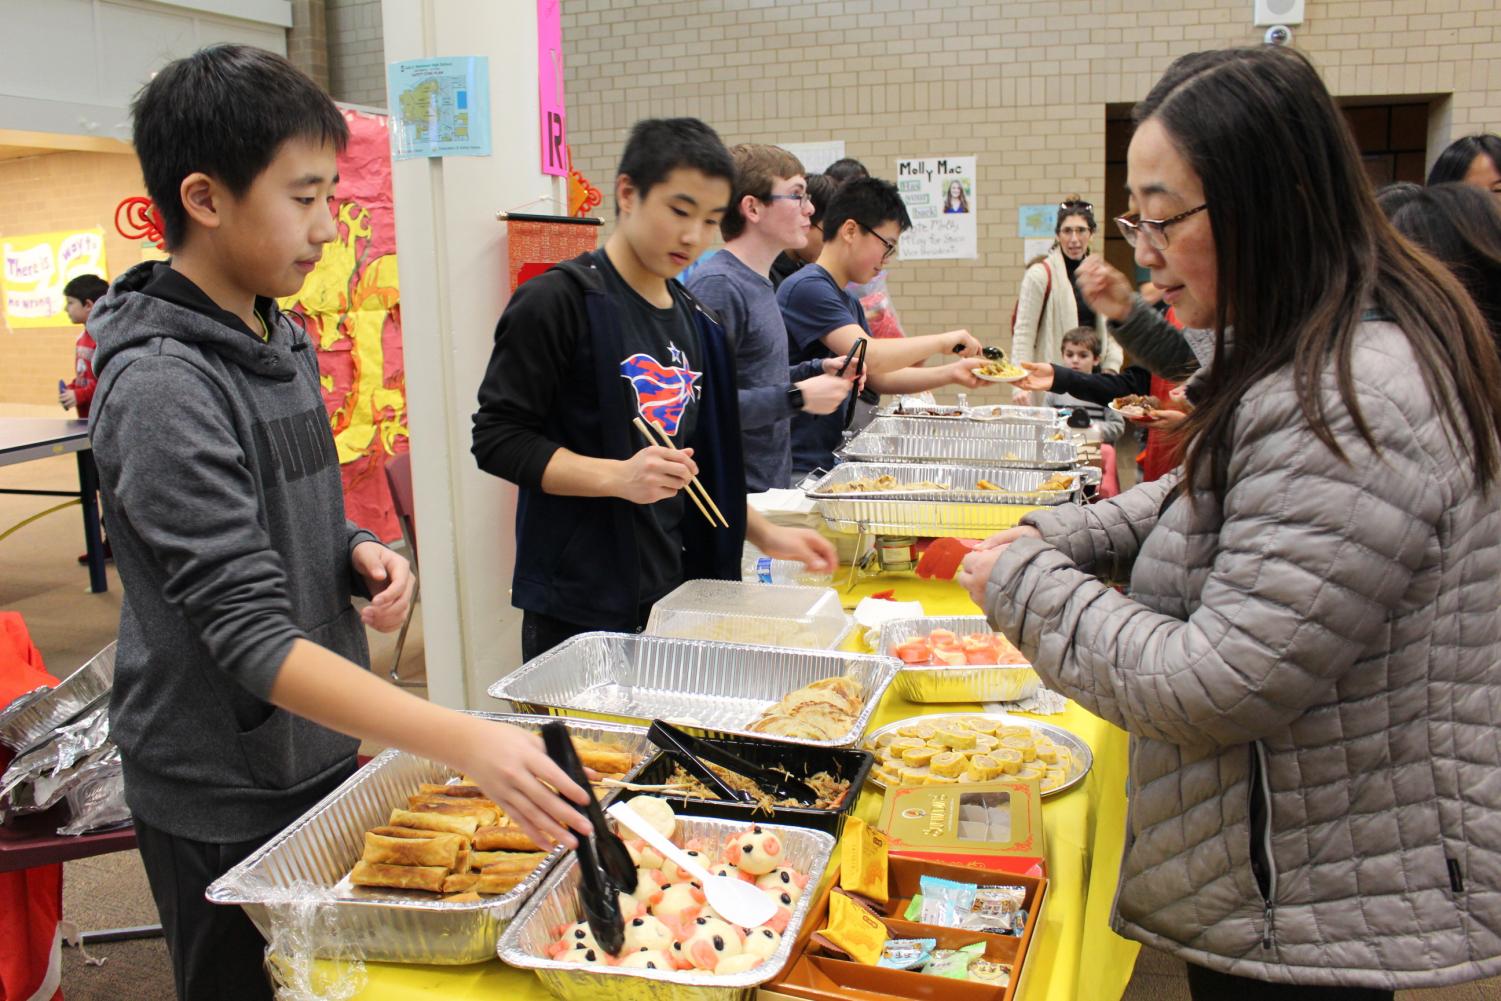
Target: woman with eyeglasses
<point x="1306" y="654"/>
<point x="1049" y="304"/>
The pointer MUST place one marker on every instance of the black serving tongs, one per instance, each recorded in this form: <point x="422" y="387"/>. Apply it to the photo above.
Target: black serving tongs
<point x="691" y="753"/>
<point x="989" y="352"/>
<point x="605" y="867"/>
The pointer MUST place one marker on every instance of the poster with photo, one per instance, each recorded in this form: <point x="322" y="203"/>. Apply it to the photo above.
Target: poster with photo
<point x="939" y="192"/>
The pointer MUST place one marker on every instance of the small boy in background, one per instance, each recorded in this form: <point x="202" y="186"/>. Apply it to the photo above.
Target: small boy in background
<point x="1081" y="353"/>
<point x="80" y="294"/>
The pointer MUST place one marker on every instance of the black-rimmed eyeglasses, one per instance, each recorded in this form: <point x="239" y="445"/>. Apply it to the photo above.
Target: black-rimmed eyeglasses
<point x="890" y="245"/>
<point x="1155" y="229"/>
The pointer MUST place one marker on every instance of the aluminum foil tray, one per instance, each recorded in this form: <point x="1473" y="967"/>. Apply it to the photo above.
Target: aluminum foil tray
<point x="968" y="430"/>
<point x="1000" y="452"/>
<point x="1005" y="414"/>
<point x="961" y="511"/>
<point x="729" y="611"/>
<point x="388" y="925"/>
<point x="1064" y="738"/>
<point x="941" y="683"/>
<point x="705" y="687"/>
<point x="78" y="692"/>
<point x="524" y="943"/>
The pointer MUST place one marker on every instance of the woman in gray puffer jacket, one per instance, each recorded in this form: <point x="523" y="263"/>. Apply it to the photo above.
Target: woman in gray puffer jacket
<point x="1308" y="656"/>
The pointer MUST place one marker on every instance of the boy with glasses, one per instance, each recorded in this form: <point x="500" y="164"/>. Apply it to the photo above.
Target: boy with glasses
<point x="768" y="214"/>
<point x="864" y="220"/>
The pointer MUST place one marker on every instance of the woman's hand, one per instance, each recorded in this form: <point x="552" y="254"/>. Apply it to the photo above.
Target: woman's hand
<point x="975" y="570"/>
<point x="512" y="767"/>
<point x="1105" y="289"/>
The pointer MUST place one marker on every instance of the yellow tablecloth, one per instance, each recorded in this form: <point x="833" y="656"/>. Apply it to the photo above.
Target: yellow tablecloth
<point x="1074" y="953"/>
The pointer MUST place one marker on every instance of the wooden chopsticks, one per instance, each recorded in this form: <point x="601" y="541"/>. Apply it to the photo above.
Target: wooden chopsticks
<point x="666" y="442"/>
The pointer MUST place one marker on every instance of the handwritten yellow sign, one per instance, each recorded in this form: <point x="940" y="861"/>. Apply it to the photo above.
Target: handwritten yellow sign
<point x="39" y="265"/>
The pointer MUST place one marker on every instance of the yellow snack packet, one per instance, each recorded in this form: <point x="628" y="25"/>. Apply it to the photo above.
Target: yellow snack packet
<point x="862" y="861"/>
<point x="855" y="930"/>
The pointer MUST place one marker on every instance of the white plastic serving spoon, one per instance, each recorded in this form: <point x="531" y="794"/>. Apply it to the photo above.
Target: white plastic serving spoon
<point x="738" y="902"/>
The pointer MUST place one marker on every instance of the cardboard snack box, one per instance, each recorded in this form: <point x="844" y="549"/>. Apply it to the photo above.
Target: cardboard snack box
<point x="993" y="825"/>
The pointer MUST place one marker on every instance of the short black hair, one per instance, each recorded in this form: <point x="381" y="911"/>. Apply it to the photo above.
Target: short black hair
<point x="845" y="169"/>
<point x="821" y="188"/>
<point x="869" y="201"/>
<point x="224" y="111"/>
<point x="1454" y="162"/>
<point x="86" y="288"/>
<point x="658" y="146"/>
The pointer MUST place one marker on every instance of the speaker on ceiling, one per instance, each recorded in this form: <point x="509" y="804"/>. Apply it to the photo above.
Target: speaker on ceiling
<point x="1269" y="12"/>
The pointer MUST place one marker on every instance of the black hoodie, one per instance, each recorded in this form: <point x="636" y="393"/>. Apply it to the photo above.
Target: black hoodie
<point x="226" y="514"/>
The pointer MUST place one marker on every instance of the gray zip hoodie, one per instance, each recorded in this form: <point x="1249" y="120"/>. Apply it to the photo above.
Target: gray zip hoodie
<point x="226" y="513"/>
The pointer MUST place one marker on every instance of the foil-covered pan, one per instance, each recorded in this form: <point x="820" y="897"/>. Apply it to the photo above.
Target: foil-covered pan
<point x="961" y="509"/>
<point x="525" y="942"/>
<point x="79" y="692"/>
<point x="378" y="924"/>
<point x="706" y="687"/>
<point x="942" y="683"/>
<point x="1077" y="748"/>
<point x="1000" y="452"/>
<point x="1007" y="414"/>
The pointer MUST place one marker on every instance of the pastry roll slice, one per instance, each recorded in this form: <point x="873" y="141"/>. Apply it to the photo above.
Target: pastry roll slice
<point x="401" y="877"/>
<point x="441" y="822"/>
<point x="604" y="758"/>
<point x="512" y="839"/>
<point x="461" y="882"/>
<point x="521" y="863"/>
<point x="499" y="882"/>
<point x="459" y="789"/>
<point x="483" y="811"/>
<point x="397" y="831"/>
<point x="439" y="850"/>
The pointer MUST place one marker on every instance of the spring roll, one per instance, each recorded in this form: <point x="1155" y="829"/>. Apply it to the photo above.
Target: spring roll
<point x="440" y="850"/>
<point x="401" y="877"/>
<point x="441" y="822"/>
<point x="512" y="839"/>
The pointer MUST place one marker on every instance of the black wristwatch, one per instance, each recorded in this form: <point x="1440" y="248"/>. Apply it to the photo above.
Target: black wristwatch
<point x="795" y="398"/>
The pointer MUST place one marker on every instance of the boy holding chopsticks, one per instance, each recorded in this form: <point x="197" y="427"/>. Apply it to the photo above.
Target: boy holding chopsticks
<point x="610" y="394"/>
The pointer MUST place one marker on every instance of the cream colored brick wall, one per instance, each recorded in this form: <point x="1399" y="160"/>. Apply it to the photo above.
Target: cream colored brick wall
<point x="56" y="192"/>
<point x="1022" y="86"/>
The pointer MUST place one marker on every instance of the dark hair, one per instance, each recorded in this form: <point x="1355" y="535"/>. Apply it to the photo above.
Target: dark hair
<point x="224" y="111"/>
<point x="1301" y="252"/>
<point x="758" y="167"/>
<point x="1461" y="226"/>
<point x="1395" y="195"/>
<point x="1074" y="205"/>
<point x="845" y="169"/>
<point x="658" y="146"/>
<point x="86" y="288"/>
<point x="1085" y="337"/>
<point x="821" y="188"/>
<point x="869" y="201"/>
<point x="1454" y="162"/>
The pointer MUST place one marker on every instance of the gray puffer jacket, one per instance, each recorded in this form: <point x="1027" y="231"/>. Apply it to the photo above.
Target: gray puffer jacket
<point x="1312" y="679"/>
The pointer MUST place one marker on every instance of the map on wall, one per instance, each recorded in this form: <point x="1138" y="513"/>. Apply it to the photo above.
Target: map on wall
<point x="440" y="107"/>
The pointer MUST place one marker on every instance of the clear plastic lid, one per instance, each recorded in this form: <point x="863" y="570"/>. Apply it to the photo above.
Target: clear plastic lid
<point x="807" y="618"/>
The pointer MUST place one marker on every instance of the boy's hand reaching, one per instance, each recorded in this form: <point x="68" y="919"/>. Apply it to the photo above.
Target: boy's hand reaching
<point x="388" y="576"/>
<point x="68" y="399"/>
<point x="514" y="770"/>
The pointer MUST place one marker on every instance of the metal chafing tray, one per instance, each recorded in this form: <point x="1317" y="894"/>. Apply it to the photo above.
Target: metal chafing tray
<point x="78" y="692"/>
<point x="525" y="942"/>
<point x="388" y="925"/>
<point x="962" y="510"/>
<point x="943" y="683"/>
<point x="704" y="686"/>
<point x="1006" y="445"/>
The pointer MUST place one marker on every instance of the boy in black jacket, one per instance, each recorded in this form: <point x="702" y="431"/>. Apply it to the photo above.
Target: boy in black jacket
<point x="241" y="664"/>
<point x="602" y="528"/>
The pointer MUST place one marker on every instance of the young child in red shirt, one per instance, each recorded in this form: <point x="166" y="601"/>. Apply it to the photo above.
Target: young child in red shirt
<point x="81" y="294"/>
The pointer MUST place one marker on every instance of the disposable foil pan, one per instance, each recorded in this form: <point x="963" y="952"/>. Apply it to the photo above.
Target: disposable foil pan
<point x="525" y="942"/>
<point x="706" y="687"/>
<point x="1078" y="750"/>
<point x="1001" y="452"/>
<point x="379" y="924"/>
<point x="1006" y="414"/>
<point x="942" y="683"/>
<point x="962" y="510"/>
<point x="998" y="430"/>
<point x="79" y="692"/>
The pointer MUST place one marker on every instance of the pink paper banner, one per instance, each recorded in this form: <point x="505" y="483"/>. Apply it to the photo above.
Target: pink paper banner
<point x="553" y="114"/>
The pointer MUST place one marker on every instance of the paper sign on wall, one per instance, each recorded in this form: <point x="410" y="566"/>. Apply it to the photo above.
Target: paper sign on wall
<point x="1036" y="220"/>
<point x="553" y="115"/>
<point x="816" y="157"/>
<point x="440" y="107"/>
<point x="39" y="265"/>
<point x="939" y="192"/>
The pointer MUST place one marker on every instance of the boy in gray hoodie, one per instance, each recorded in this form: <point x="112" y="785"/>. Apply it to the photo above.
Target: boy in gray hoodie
<point x="242" y="683"/>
